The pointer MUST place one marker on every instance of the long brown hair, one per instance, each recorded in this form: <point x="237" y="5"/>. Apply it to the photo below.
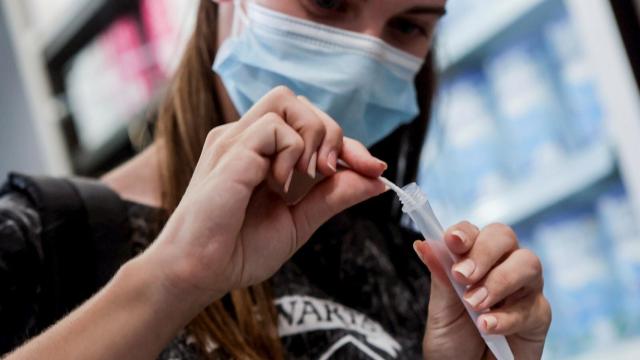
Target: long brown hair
<point x="244" y="323"/>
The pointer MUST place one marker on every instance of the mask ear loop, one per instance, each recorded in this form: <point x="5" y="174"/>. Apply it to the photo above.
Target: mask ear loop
<point x="240" y="18"/>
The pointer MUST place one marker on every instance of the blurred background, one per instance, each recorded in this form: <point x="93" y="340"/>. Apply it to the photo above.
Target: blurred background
<point x="537" y="125"/>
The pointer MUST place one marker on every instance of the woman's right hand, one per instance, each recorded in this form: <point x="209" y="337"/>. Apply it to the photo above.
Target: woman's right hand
<point x="231" y="229"/>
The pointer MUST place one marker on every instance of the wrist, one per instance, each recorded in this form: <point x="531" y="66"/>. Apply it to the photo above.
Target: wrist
<point x="142" y="278"/>
<point x="170" y="282"/>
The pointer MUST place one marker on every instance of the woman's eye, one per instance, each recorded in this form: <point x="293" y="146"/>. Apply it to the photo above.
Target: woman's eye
<point x="329" y="4"/>
<point x="407" y="27"/>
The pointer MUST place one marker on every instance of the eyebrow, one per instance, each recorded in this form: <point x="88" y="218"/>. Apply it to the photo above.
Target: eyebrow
<point x="427" y="9"/>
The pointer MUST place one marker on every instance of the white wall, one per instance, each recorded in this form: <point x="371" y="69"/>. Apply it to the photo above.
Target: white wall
<point x="30" y="135"/>
<point x="19" y="148"/>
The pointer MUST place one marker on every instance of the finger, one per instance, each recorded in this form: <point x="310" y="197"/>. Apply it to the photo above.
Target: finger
<point x="442" y="298"/>
<point x="271" y="138"/>
<point x="522" y="270"/>
<point x="492" y="244"/>
<point x="428" y="257"/>
<point x="360" y="160"/>
<point x="461" y="237"/>
<point x="296" y="114"/>
<point x="330" y="197"/>
<point x="531" y="314"/>
<point x="332" y="142"/>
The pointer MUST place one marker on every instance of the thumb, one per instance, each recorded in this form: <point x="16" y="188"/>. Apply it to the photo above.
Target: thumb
<point x="442" y="296"/>
<point x="331" y="196"/>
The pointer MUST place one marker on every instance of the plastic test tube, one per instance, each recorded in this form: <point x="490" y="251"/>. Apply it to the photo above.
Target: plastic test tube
<point x="416" y="205"/>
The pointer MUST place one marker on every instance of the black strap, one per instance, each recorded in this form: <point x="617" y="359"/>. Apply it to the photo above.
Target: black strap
<point x="85" y="238"/>
<point x="108" y="223"/>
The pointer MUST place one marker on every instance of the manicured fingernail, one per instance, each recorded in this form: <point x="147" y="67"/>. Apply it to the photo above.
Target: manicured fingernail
<point x="311" y="169"/>
<point x="460" y="235"/>
<point x="288" y="182"/>
<point x="415" y="248"/>
<point x="332" y="161"/>
<point x="477" y="296"/>
<point x="465" y="268"/>
<point x="489" y="322"/>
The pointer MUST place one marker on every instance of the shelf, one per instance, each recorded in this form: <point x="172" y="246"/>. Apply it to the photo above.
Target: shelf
<point x="126" y="140"/>
<point x="461" y="39"/>
<point x="545" y="189"/>
<point x="87" y="19"/>
<point x="92" y="162"/>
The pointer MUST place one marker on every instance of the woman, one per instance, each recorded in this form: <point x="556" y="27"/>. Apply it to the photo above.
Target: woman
<point x="352" y="292"/>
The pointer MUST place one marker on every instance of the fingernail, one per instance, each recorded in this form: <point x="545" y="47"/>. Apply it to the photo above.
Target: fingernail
<point x="383" y="164"/>
<point x="465" y="268"/>
<point x="477" y="296"/>
<point x="332" y="161"/>
<point x="460" y="235"/>
<point x="489" y="322"/>
<point x="311" y="170"/>
<point x="288" y="182"/>
<point x="415" y="248"/>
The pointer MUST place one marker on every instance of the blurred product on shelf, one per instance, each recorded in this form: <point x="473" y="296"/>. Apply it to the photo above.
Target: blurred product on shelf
<point x="471" y="142"/>
<point x="168" y="24"/>
<point x="108" y="81"/>
<point x="433" y="174"/>
<point x="619" y="227"/>
<point x="581" y="278"/>
<point x="584" y="112"/>
<point x="524" y="108"/>
<point x="114" y="81"/>
<point x="528" y="113"/>
<point x="521" y="135"/>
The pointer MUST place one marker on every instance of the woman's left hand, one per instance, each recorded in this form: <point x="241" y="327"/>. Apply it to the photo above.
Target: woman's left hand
<point x="500" y="276"/>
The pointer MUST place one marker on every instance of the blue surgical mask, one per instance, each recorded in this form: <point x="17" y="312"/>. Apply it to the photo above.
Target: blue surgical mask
<point x="363" y="83"/>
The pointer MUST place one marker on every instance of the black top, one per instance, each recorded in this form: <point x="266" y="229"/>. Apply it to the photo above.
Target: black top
<point x="355" y="291"/>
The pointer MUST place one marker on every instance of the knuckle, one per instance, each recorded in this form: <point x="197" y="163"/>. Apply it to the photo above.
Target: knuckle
<point x="547" y="313"/>
<point x="214" y="134"/>
<point x="533" y="260"/>
<point x="281" y="92"/>
<point x="501" y="280"/>
<point x="337" y="130"/>
<point x="317" y="127"/>
<point x="271" y="121"/>
<point x="502" y="230"/>
<point x="333" y="127"/>
<point x="270" y="117"/>
<point x="298" y="142"/>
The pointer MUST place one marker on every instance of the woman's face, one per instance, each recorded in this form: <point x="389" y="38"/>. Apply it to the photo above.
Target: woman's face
<point x="406" y="24"/>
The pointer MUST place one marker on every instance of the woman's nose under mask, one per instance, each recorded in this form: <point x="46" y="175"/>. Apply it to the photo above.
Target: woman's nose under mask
<point x="365" y="84"/>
